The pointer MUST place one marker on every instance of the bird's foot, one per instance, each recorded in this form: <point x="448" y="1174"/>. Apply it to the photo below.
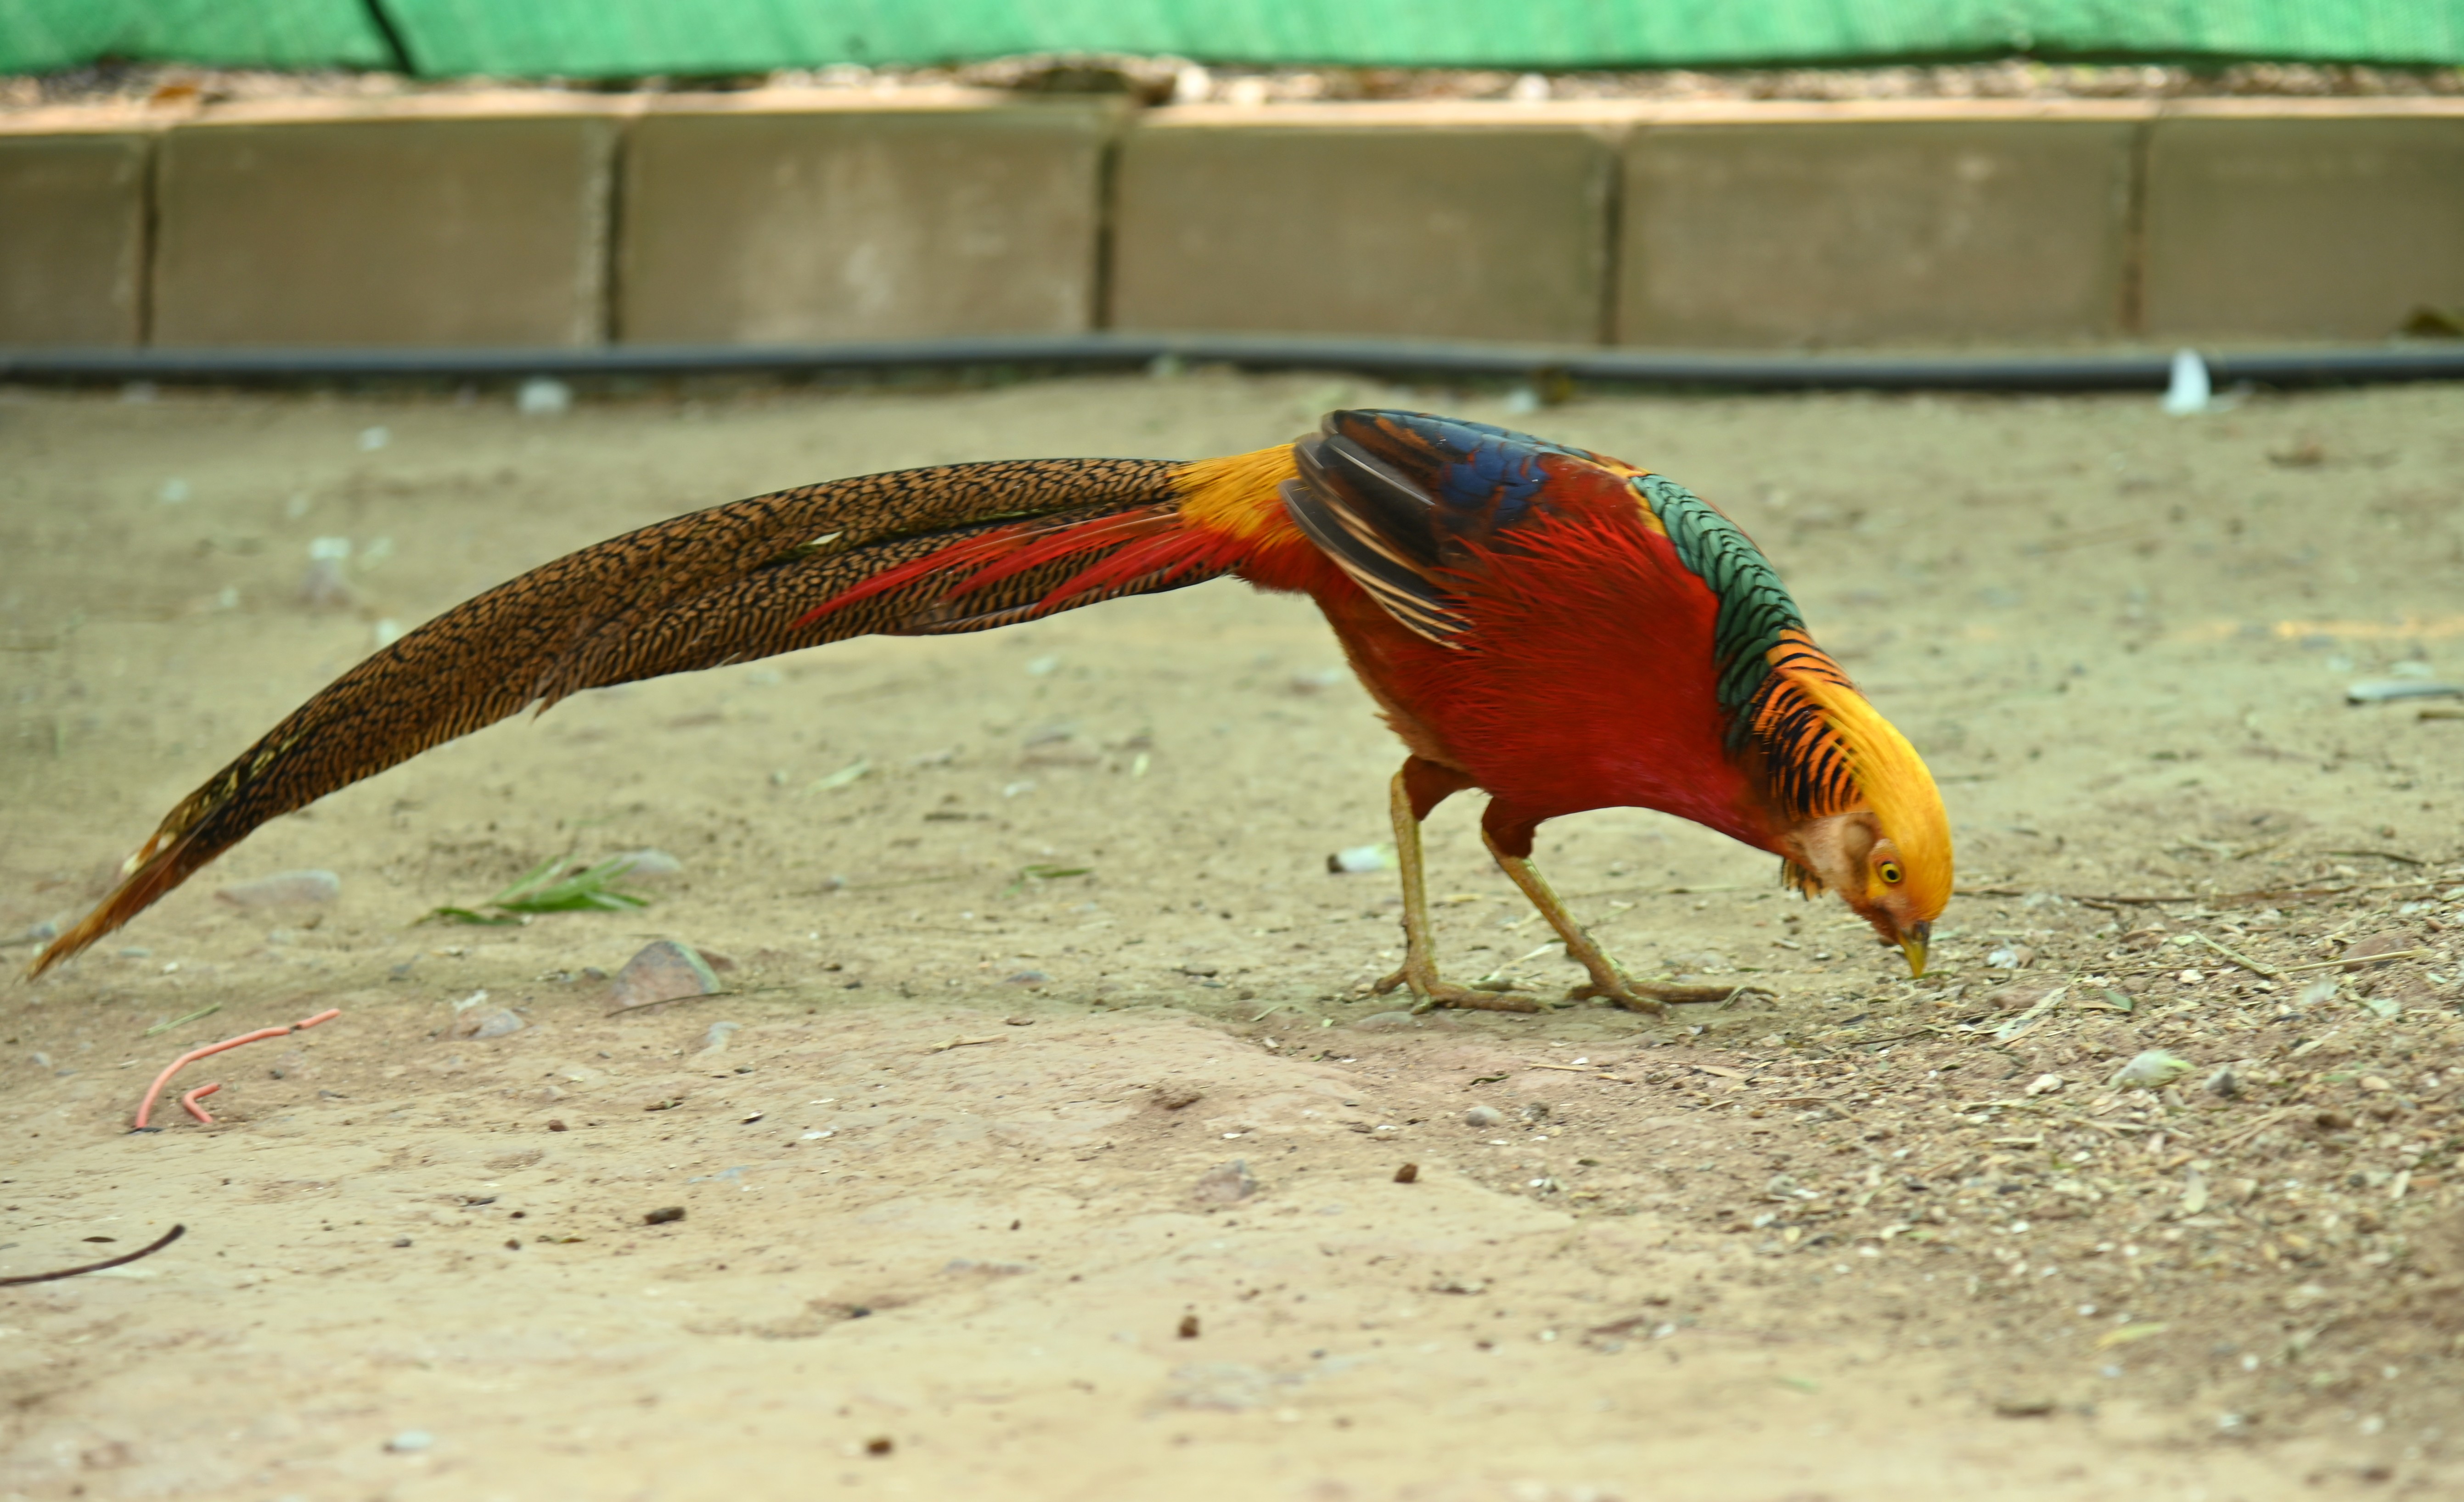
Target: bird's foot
<point x="1654" y="997"/>
<point x="1434" y="993"/>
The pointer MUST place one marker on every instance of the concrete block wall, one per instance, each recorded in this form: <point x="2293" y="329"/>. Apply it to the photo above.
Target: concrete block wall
<point x="474" y="223"/>
<point x="753" y="219"/>
<point x="1840" y="226"/>
<point x="564" y="220"/>
<point x="72" y="233"/>
<point x="1432" y="222"/>
<point x="2302" y="223"/>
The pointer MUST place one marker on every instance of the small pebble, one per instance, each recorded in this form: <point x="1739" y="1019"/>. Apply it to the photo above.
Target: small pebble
<point x="501" y="1023"/>
<point x="665" y="1215"/>
<point x="647" y="865"/>
<point x="1225" y="1386"/>
<point x="1360" y="858"/>
<point x="664" y="972"/>
<point x="411" y="1442"/>
<point x="544" y="396"/>
<point x="2363" y="950"/>
<point x="2151" y="1069"/>
<point x="325" y="586"/>
<point x="1385" y="1022"/>
<point x="1188" y="1327"/>
<point x="1226" y="1183"/>
<point x="1483" y="1116"/>
<point x="288" y="888"/>
<point x="1408" y="1173"/>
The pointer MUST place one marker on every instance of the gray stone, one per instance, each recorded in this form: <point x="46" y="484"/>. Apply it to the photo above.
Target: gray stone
<point x="666" y="971"/>
<point x="1226" y="1183"/>
<point x="501" y="1023"/>
<point x="1225" y="1386"/>
<point x="327" y="586"/>
<point x="1385" y="1022"/>
<point x="1483" y="1116"/>
<point x="647" y="865"/>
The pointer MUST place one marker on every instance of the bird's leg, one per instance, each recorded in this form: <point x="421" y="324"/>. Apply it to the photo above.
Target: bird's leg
<point x="1609" y="980"/>
<point x="1419" y="969"/>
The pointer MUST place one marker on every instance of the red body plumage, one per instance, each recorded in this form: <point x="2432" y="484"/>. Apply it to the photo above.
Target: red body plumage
<point x="1587" y="685"/>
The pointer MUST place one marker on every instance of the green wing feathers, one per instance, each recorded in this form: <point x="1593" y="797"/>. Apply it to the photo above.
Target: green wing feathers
<point x="727" y="585"/>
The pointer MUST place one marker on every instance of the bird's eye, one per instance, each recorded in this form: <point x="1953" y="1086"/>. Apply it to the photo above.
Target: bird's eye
<point x="1890" y="872"/>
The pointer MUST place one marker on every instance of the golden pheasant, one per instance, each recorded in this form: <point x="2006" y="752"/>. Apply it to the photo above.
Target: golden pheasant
<point x="1561" y="629"/>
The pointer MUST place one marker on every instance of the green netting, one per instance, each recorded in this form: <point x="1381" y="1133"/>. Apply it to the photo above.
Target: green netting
<point x="41" y="36"/>
<point x="612" y="37"/>
<point x="620" y="38"/>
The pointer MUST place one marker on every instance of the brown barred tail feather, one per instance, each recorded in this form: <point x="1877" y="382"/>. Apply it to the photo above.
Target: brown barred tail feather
<point x="727" y="585"/>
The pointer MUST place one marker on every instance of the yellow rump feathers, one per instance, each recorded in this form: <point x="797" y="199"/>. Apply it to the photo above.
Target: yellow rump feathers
<point x="1241" y="497"/>
<point x="1896" y="788"/>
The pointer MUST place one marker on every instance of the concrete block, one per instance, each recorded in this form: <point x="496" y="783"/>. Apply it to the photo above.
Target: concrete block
<point x="1401" y="221"/>
<point x="1834" y="228"/>
<point x="2308" y="226"/>
<point x="765" y="221"/>
<point x="72" y="238"/>
<point x="452" y="224"/>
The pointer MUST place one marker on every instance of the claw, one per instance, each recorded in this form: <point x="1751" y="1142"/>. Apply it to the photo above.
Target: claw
<point x="1434" y="993"/>
<point x="1653" y="997"/>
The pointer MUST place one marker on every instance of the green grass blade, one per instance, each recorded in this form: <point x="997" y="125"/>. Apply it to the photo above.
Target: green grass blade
<point x="587" y="891"/>
<point x="465" y="915"/>
<point x="538" y="874"/>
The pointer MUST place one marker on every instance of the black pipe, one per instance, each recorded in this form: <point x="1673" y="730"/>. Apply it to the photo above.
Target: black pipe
<point x="2061" y="372"/>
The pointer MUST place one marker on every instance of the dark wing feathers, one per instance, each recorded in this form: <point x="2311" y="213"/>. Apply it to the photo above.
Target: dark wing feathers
<point x="727" y="585"/>
<point x="1401" y="501"/>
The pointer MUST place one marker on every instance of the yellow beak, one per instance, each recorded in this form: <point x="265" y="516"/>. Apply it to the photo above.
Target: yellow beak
<point x="1913" y="945"/>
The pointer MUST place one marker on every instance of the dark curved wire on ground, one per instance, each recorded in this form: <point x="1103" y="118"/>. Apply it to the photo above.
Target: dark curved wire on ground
<point x="2079" y="371"/>
<point x="120" y="1261"/>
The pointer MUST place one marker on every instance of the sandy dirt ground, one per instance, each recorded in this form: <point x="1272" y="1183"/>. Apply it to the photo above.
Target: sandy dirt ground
<point x="957" y="1220"/>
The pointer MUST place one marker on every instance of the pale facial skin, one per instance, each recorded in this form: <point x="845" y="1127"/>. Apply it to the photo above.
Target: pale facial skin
<point x="1857" y="860"/>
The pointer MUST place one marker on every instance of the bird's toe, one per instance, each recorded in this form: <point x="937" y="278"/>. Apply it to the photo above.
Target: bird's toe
<point x="1620" y="993"/>
<point x="1445" y="993"/>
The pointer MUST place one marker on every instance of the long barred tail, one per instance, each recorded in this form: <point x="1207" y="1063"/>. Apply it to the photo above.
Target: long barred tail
<point x="954" y="548"/>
